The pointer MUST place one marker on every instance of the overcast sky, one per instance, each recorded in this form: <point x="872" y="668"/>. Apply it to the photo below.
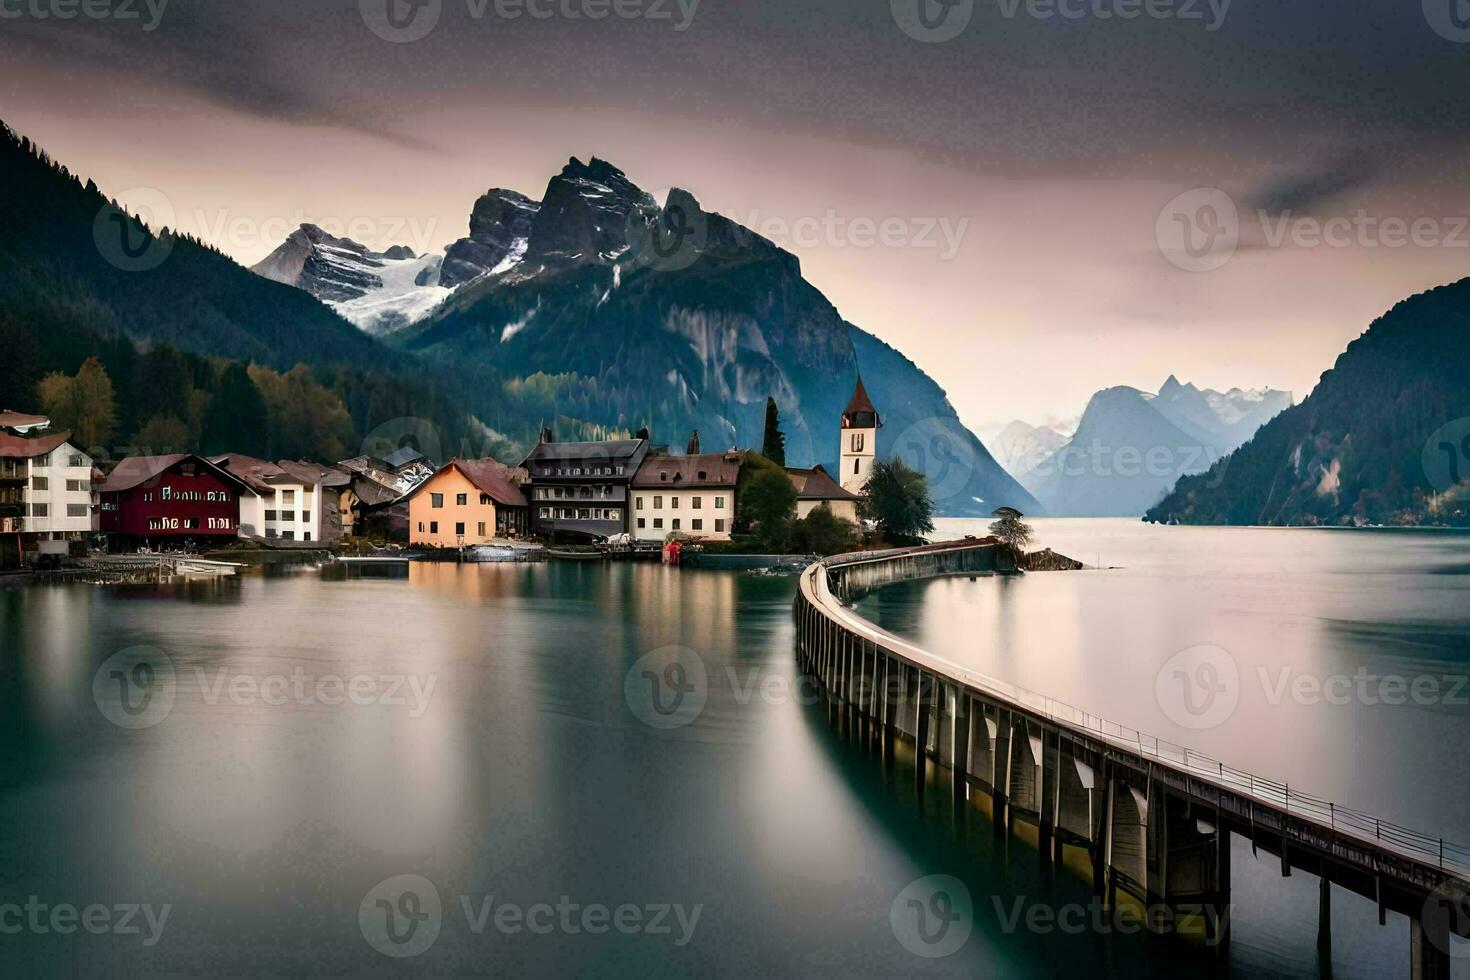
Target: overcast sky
<point x="987" y="187"/>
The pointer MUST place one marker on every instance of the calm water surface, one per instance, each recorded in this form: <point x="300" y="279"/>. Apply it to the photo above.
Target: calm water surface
<point x="476" y="726"/>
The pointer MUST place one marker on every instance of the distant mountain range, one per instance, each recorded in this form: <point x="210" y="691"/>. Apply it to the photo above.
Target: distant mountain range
<point x="1130" y="446"/>
<point x="1384" y="438"/>
<point x="625" y="312"/>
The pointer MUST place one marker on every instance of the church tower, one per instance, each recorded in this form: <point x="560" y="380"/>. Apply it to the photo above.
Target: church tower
<point x="860" y="424"/>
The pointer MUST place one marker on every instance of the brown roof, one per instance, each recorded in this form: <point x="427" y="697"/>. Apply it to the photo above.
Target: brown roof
<point x="257" y="473"/>
<point x="305" y="472"/>
<point x="501" y="482"/>
<point x="815" y="484"/>
<point x="702" y="470"/>
<point x="860" y="401"/>
<point x="137" y="470"/>
<point x="16" y="447"/>
<point x="17" y="420"/>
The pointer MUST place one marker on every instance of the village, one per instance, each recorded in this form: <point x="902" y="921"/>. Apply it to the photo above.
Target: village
<point x="612" y="498"/>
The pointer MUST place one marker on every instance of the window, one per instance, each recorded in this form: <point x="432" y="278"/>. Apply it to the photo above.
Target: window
<point x="638" y="503"/>
<point x="858" y="441"/>
<point x="77" y="510"/>
<point x="719" y="503"/>
<point x="436" y="501"/>
<point x="306" y="536"/>
<point x="41" y="462"/>
<point x="658" y="503"/>
<point x="664" y="477"/>
<point x="76" y="486"/>
<point x="697" y="524"/>
<point x="703" y="476"/>
<point x="719" y="526"/>
<point x="481" y="531"/>
<point x="461" y="500"/>
<point x="658" y="523"/>
<point x="433" y="527"/>
<point x="421" y="527"/>
<point x="40" y="483"/>
<point x="40" y="510"/>
<point x="546" y="513"/>
<point x="676" y="524"/>
<point x="270" y="532"/>
<point x="698" y="503"/>
<point x="484" y="500"/>
<point x="459" y="529"/>
<point x="270" y="515"/>
<point x="306" y="517"/>
<point x="288" y="535"/>
<point x="855" y="466"/>
<point x="584" y="514"/>
<point x="642" y="523"/>
<point x="288" y="516"/>
<point x="288" y="497"/>
<point x="77" y="461"/>
<point x="674" y="502"/>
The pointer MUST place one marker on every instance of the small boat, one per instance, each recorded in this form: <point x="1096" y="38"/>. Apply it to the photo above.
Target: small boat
<point x="574" y="554"/>
<point x="490" y="553"/>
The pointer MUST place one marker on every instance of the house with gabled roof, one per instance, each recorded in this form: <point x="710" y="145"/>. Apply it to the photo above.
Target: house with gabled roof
<point x="468" y="502"/>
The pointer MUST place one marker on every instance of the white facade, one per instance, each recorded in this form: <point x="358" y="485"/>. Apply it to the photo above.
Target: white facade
<point x="707" y="513"/>
<point x="283" y="512"/>
<point x="859" y="453"/>
<point x="58" y="494"/>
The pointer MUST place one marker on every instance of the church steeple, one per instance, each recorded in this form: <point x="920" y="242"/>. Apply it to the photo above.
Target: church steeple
<point x="859" y="451"/>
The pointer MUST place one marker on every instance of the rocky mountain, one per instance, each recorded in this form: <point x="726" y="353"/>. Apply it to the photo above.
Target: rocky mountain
<point x="1383" y="439"/>
<point x="625" y="313"/>
<point x="1132" y="446"/>
<point x="378" y="291"/>
<point x="500" y="225"/>
<point x="1021" y="447"/>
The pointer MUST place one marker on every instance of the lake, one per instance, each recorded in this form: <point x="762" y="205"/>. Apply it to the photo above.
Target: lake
<point x="578" y="768"/>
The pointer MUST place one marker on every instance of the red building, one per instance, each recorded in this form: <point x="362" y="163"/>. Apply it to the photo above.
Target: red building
<point x="170" y="500"/>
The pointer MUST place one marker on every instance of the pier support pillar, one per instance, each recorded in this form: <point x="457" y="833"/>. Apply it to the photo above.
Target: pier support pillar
<point x="961" y="753"/>
<point x="1429" y="948"/>
<point x="1001" y="773"/>
<point x="924" y="686"/>
<point x="1324" y="923"/>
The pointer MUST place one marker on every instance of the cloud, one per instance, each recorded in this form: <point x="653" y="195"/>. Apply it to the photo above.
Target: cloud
<point x="1305" y="190"/>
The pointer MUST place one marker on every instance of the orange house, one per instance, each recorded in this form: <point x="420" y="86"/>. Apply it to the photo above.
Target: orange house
<point x="468" y="502"/>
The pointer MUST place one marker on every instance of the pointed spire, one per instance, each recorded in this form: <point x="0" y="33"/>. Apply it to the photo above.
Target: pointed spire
<point x="860" y="405"/>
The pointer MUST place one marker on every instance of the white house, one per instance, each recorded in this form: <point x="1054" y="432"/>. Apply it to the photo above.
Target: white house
<point x="45" y="489"/>
<point x="693" y="496"/>
<point x="287" y="505"/>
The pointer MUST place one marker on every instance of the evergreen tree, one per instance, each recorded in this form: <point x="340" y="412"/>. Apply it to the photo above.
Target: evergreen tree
<point x="236" y="420"/>
<point x="773" y="447"/>
<point x="898" y="501"/>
